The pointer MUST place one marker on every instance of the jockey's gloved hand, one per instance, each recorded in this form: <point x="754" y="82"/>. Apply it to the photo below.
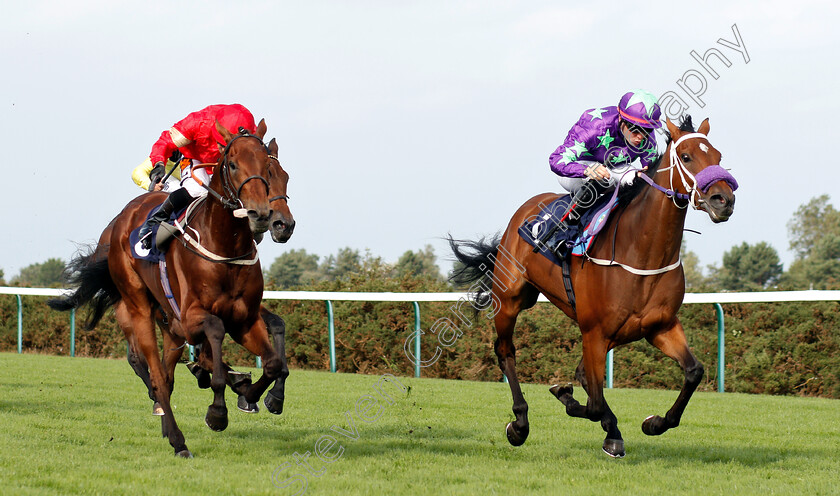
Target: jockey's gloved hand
<point x="597" y="172"/>
<point x="158" y="171"/>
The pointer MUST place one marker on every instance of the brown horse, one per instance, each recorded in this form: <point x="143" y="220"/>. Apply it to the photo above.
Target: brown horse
<point x="215" y="278"/>
<point x="281" y="227"/>
<point x="615" y="305"/>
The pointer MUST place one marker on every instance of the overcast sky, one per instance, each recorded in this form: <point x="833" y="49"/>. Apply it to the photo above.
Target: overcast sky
<point x="399" y="122"/>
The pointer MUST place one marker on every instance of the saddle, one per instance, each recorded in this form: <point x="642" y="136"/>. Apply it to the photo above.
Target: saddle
<point x="557" y="240"/>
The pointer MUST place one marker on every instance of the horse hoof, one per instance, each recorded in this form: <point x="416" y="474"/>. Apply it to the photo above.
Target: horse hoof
<point x="654" y="425"/>
<point x="614" y="448"/>
<point x="515" y="438"/>
<point x="558" y="390"/>
<point x="202" y="376"/>
<point x="184" y="453"/>
<point x="246" y="407"/>
<point x="239" y="381"/>
<point x="274" y="404"/>
<point x="216" y="418"/>
<point x="157" y="409"/>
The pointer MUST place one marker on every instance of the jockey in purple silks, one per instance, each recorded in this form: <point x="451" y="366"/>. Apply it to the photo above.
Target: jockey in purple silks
<point x="604" y="142"/>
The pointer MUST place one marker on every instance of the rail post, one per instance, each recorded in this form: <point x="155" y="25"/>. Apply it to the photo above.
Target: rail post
<point x="610" y="369"/>
<point x="72" y="332"/>
<point x="20" y="324"/>
<point x="721" y="345"/>
<point x="331" y="323"/>
<point x="417" y="333"/>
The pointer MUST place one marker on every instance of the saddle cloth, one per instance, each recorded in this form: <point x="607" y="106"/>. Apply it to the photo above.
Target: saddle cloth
<point x="153" y="254"/>
<point x="579" y="236"/>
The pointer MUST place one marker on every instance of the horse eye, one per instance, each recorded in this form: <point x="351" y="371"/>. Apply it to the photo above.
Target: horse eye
<point x="685" y="157"/>
<point x="232" y="165"/>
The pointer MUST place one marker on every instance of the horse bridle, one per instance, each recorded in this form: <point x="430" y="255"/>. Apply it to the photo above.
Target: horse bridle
<point x="231" y="194"/>
<point x="701" y="181"/>
<point x="278" y="197"/>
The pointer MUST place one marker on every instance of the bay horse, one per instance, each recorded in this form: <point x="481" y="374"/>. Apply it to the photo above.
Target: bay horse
<point x="215" y="278"/>
<point x="281" y="227"/>
<point x="628" y="287"/>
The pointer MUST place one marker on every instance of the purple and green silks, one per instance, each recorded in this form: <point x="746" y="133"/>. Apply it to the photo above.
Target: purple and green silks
<point x="596" y="137"/>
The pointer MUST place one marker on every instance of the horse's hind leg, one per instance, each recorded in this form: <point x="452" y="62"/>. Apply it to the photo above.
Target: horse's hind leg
<point x="139" y="365"/>
<point x="277" y="329"/>
<point x="173" y="349"/>
<point x="505" y="320"/>
<point x="672" y="342"/>
<point x="143" y="330"/>
<point x="590" y="373"/>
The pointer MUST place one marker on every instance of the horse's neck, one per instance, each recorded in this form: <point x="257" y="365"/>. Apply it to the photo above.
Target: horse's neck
<point x="658" y="223"/>
<point x="221" y="232"/>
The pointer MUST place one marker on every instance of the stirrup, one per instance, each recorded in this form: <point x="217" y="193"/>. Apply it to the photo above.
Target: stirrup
<point x="146" y="240"/>
<point x="561" y="250"/>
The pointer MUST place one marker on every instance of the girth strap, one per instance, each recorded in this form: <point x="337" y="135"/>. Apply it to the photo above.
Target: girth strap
<point x="167" y="290"/>
<point x="567" y="282"/>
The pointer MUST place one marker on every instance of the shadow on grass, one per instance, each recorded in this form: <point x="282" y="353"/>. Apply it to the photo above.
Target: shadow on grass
<point x="645" y="451"/>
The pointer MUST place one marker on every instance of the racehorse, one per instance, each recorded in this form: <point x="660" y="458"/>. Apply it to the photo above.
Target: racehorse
<point x="281" y="227"/>
<point x="628" y="287"/>
<point x="215" y="278"/>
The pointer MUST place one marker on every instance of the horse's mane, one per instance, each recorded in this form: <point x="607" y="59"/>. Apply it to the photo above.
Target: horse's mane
<point x="626" y="195"/>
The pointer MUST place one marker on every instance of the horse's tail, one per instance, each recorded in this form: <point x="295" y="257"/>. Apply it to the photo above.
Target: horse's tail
<point x="88" y="273"/>
<point x="474" y="262"/>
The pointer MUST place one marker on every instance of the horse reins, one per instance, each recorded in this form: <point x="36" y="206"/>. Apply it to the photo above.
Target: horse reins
<point x="677" y="164"/>
<point x="231" y="201"/>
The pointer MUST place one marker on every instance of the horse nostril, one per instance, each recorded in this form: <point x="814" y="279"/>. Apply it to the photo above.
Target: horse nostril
<point x="719" y="201"/>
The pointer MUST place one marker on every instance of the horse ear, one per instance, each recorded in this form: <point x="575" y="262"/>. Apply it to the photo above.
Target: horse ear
<point x="704" y="127"/>
<point x="261" y="129"/>
<point x="272" y="147"/>
<point x="224" y="132"/>
<point x="672" y="128"/>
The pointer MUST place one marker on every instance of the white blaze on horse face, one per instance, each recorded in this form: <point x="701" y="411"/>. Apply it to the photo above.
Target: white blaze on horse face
<point x="704" y="148"/>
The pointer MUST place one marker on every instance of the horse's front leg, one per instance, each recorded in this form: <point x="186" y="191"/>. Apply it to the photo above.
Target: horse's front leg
<point x="257" y="342"/>
<point x="277" y="329"/>
<point x="590" y="373"/>
<point x="672" y="342"/>
<point x="217" y="416"/>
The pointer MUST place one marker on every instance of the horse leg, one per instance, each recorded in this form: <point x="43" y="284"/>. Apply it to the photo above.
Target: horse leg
<point x="173" y="349"/>
<point x="237" y="381"/>
<point x="216" y="418"/>
<point x="277" y="329"/>
<point x="517" y="431"/>
<point x="142" y="327"/>
<point x="141" y="368"/>
<point x="590" y="373"/>
<point x="672" y="342"/>
<point x="256" y="341"/>
<point x="560" y="390"/>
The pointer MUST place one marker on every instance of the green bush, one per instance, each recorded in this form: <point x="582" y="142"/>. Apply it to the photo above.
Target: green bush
<point x="778" y="348"/>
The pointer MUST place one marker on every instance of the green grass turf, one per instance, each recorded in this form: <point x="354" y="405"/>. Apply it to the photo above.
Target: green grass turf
<point x="83" y="426"/>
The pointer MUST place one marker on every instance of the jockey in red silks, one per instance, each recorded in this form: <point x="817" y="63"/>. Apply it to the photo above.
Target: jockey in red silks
<point x="602" y="145"/>
<point x="196" y="138"/>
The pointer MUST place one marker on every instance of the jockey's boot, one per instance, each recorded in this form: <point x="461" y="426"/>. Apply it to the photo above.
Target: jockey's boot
<point x="582" y="200"/>
<point x="176" y="200"/>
